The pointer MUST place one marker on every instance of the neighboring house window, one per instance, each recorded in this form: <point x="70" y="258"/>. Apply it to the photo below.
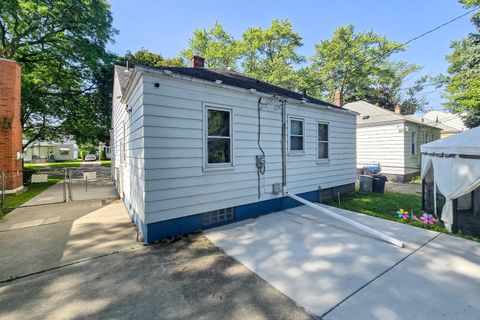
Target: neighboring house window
<point x="296" y="134"/>
<point x="219" y="136"/>
<point x="64" y="151"/>
<point x="323" y="140"/>
<point x="414" y="143"/>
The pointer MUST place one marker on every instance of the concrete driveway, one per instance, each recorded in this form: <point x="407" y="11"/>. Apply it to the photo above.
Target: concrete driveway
<point x="82" y="261"/>
<point x="337" y="272"/>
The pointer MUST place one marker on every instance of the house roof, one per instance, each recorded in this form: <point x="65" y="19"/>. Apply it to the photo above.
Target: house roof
<point x="370" y="114"/>
<point x="124" y="75"/>
<point x="467" y="142"/>
<point x="449" y="122"/>
<point x="235" y="79"/>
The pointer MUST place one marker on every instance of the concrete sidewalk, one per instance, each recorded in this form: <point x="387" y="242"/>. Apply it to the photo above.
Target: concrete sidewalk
<point x="338" y="272"/>
<point x="33" y="239"/>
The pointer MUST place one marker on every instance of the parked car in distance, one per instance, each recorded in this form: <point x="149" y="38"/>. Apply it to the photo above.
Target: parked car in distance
<point x="90" y="157"/>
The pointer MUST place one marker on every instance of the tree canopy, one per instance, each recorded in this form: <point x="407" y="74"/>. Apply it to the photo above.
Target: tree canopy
<point x="147" y="58"/>
<point x="358" y="65"/>
<point x="61" y="47"/>
<point x="217" y="46"/>
<point x="270" y="54"/>
<point x="67" y="73"/>
<point x="463" y="84"/>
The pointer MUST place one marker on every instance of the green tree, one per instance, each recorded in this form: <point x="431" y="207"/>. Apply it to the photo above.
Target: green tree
<point x="463" y="84"/>
<point x="147" y="58"/>
<point x="358" y="65"/>
<point x="60" y="46"/>
<point x="270" y="54"/>
<point x="219" y="48"/>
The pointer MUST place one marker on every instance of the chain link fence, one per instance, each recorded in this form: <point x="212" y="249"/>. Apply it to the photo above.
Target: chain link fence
<point x="90" y="183"/>
<point x="51" y="185"/>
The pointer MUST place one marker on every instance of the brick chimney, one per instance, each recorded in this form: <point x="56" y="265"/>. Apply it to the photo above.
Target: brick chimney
<point x="338" y="98"/>
<point x="397" y="109"/>
<point x="10" y="126"/>
<point x="197" y="62"/>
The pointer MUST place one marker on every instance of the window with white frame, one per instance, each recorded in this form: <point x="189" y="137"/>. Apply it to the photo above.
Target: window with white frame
<point x="414" y="143"/>
<point x="218" y="136"/>
<point x="323" y="138"/>
<point x="297" y="135"/>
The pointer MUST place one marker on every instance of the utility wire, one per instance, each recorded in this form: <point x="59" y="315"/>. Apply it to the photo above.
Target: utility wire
<point x="411" y="40"/>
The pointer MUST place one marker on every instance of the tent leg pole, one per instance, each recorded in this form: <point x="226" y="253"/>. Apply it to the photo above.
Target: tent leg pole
<point x="435" y="196"/>
<point x="355" y="224"/>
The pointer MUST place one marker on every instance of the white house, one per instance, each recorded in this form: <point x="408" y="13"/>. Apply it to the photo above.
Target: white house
<point x="194" y="148"/>
<point x="61" y="150"/>
<point x="390" y="140"/>
<point x="450" y="123"/>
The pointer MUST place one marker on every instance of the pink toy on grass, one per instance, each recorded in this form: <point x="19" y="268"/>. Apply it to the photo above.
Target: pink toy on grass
<point x="414" y="218"/>
<point x="428" y="218"/>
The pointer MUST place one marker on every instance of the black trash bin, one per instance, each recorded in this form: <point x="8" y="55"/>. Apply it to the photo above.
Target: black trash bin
<point x="378" y="185"/>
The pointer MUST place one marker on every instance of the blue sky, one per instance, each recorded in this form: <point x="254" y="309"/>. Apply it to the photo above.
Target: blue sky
<point x="166" y="26"/>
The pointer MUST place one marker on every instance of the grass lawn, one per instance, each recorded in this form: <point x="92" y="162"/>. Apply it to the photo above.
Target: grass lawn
<point x="385" y="206"/>
<point x="64" y="164"/>
<point x="12" y="201"/>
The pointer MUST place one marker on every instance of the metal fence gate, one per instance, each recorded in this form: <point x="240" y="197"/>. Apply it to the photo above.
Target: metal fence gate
<point x="90" y="183"/>
<point x="50" y="186"/>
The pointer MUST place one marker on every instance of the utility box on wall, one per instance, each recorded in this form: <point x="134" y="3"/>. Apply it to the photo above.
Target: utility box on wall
<point x="10" y="126"/>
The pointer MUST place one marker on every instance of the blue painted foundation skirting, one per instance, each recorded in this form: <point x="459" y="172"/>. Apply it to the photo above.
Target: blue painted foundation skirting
<point x="175" y="227"/>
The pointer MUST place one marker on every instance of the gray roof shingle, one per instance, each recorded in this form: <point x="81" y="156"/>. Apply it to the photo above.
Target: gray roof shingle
<point x="236" y="79"/>
<point x="124" y="75"/>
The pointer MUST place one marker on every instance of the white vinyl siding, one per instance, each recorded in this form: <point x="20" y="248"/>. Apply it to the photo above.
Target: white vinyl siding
<point x="176" y="182"/>
<point x="127" y="141"/>
<point x="382" y="144"/>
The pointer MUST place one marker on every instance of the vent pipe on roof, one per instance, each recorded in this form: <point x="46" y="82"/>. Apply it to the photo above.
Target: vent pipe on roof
<point x="197" y="62"/>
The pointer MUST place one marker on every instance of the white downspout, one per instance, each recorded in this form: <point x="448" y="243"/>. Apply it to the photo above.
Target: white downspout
<point x="284" y="147"/>
<point x="434" y="194"/>
<point x="355" y="224"/>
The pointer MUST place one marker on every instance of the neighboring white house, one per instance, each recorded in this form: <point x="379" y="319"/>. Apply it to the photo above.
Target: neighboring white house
<point x="390" y="140"/>
<point x="450" y="123"/>
<point x="107" y="149"/>
<point x="40" y="151"/>
<point x="188" y="146"/>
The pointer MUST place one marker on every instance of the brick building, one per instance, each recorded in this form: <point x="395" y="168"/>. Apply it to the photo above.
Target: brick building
<point x="10" y="126"/>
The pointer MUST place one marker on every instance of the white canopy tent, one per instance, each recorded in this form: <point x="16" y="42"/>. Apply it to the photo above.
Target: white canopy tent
<point x="456" y="167"/>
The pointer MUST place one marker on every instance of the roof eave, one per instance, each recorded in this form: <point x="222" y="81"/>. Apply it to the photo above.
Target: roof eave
<point x="168" y="73"/>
